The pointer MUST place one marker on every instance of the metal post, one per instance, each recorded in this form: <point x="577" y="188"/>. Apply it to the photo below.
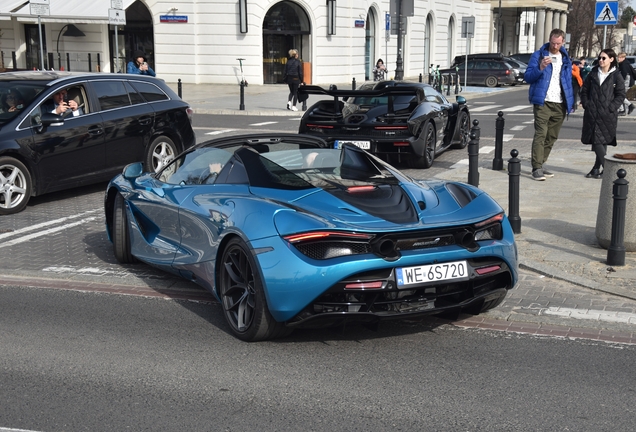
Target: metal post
<point x="430" y="76"/>
<point x="90" y="64"/>
<point x="616" y="249"/>
<point x="448" y="84"/>
<point x="497" y="162"/>
<point x="514" y="173"/>
<point x="242" y="101"/>
<point x="456" y="82"/>
<point x="179" y="89"/>
<point x="353" y="83"/>
<point x="41" y="43"/>
<point x="15" y="60"/>
<point x="399" y="66"/>
<point x="473" y="155"/>
<point x="420" y="77"/>
<point x="117" y="70"/>
<point x="68" y="62"/>
<point x="59" y="61"/>
<point x="99" y="63"/>
<point x="51" y="62"/>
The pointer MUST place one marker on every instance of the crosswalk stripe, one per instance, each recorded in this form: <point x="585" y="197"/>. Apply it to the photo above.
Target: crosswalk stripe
<point x="263" y="123"/>
<point x="515" y="128"/>
<point x="516" y="108"/>
<point x="219" y="132"/>
<point x="484" y="108"/>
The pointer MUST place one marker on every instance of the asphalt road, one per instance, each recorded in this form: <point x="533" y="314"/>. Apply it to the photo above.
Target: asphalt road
<point x="75" y="361"/>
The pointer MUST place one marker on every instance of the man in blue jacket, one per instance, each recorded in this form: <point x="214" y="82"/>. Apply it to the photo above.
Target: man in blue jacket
<point x="549" y="74"/>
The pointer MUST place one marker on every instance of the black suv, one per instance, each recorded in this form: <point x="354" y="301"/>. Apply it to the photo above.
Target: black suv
<point x="122" y="119"/>
<point x="487" y="69"/>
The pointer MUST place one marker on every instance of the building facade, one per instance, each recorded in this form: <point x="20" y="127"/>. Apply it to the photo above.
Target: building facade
<point x="200" y="41"/>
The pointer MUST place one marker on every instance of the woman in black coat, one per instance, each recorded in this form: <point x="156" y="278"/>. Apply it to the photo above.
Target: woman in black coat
<point x="602" y="96"/>
<point x="293" y="77"/>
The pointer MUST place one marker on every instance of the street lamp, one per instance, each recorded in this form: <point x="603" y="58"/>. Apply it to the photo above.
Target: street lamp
<point x="72" y="31"/>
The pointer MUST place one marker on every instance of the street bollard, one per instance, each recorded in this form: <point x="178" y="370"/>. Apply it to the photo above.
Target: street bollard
<point x="473" y="155"/>
<point x="497" y="162"/>
<point x="448" y="84"/>
<point x="353" y="83"/>
<point x="242" y="101"/>
<point x="420" y="77"/>
<point x="90" y="64"/>
<point x="456" y="83"/>
<point x="179" y="89"/>
<point x="514" y="172"/>
<point x="616" y="249"/>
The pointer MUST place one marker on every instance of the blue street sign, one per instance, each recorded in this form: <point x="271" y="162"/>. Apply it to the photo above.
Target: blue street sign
<point x="387" y="21"/>
<point x="606" y="13"/>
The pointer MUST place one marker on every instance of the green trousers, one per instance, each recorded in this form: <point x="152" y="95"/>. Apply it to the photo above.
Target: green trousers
<point x="547" y="125"/>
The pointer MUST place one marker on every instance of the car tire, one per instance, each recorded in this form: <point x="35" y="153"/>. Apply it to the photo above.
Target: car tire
<point x="491" y="81"/>
<point x="15" y="186"/>
<point x="243" y="298"/>
<point x="121" y="235"/>
<point x="430" y="142"/>
<point x="160" y="153"/>
<point x="463" y="123"/>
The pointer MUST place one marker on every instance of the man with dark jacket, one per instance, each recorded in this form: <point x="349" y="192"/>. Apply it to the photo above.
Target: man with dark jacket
<point x="627" y="72"/>
<point x="549" y="74"/>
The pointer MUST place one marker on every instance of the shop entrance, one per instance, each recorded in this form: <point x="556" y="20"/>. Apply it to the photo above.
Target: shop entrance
<point x="135" y="35"/>
<point x="286" y="26"/>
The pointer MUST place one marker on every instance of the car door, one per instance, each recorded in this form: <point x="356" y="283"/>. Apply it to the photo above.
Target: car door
<point x="439" y="111"/>
<point x="128" y="123"/>
<point x="70" y="152"/>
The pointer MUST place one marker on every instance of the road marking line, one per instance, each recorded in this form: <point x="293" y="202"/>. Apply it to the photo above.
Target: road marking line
<point x="459" y="164"/>
<point x="515" y="108"/>
<point x="263" y="123"/>
<point x="219" y="132"/>
<point x="590" y="314"/>
<point x="518" y="128"/>
<point x="486" y="149"/>
<point x="508" y="137"/>
<point x="45" y="224"/>
<point x="484" y="108"/>
<point x="92" y="271"/>
<point x="46" y="232"/>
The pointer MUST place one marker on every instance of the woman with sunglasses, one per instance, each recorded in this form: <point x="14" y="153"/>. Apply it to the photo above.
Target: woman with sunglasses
<point x="602" y="96"/>
<point x="12" y="101"/>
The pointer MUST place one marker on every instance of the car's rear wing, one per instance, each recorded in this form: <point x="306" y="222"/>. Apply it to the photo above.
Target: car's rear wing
<point x="390" y="91"/>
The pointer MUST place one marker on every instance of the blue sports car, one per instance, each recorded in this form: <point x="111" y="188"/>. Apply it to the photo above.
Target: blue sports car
<point x="290" y="233"/>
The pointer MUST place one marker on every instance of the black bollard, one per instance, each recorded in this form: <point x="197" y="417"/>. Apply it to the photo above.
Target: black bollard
<point x="448" y="84"/>
<point x="420" y="77"/>
<point x="616" y="249"/>
<point x="497" y="162"/>
<point x="179" y="89"/>
<point x="242" y="102"/>
<point x="514" y="173"/>
<point x="353" y="83"/>
<point x="473" y="155"/>
<point x="456" y="83"/>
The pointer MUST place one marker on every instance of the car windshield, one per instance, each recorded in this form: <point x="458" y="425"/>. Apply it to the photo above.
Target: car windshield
<point x="382" y="100"/>
<point x="15" y="96"/>
<point x="282" y="166"/>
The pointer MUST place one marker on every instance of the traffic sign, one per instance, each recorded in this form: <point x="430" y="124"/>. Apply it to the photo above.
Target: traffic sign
<point x="39" y="9"/>
<point x="116" y="17"/>
<point x="606" y="13"/>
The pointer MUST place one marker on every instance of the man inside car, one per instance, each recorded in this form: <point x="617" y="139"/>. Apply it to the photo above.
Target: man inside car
<point x="61" y="104"/>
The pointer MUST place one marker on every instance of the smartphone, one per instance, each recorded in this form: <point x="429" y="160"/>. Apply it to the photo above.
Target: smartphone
<point x="65" y="98"/>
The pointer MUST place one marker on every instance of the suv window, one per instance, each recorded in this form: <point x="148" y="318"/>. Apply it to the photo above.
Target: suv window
<point x="150" y="92"/>
<point x="111" y="94"/>
<point x="135" y="98"/>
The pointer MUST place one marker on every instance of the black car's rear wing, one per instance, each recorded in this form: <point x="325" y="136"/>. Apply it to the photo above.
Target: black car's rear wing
<point x="390" y="91"/>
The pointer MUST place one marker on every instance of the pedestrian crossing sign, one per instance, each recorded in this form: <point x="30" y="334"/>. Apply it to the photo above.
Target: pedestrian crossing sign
<point x="606" y="13"/>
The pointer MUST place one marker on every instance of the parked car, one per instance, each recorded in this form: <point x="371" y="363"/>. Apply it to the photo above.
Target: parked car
<point x="483" y="69"/>
<point x="395" y="120"/>
<point x="522" y="57"/>
<point x="288" y="232"/>
<point x="519" y="67"/>
<point x="124" y="118"/>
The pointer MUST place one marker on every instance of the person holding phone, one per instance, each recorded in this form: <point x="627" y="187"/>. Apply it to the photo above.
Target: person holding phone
<point x="549" y="74"/>
<point x="139" y="65"/>
<point x="61" y="104"/>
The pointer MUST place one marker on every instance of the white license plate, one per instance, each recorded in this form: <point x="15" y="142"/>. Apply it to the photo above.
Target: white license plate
<point x="431" y="273"/>
<point x="362" y="144"/>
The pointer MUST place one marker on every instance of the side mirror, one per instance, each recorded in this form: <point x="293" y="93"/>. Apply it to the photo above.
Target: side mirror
<point x="50" y="119"/>
<point x="133" y="170"/>
<point x="461" y="100"/>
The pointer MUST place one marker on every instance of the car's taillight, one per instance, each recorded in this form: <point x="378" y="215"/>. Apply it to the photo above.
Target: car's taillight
<point x="401" y="144"/>
<point x="190" y="113"/>
<point x="507" y="71"/>
<point x="390" y="127"/>
<point x="322" y="235"/>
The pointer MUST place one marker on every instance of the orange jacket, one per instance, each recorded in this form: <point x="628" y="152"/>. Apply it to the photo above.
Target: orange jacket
<point x="576" y="73"/>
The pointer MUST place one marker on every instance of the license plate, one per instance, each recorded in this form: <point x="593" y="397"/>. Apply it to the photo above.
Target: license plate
<point x="366" y="145"/>
<point x="431" y="273"/>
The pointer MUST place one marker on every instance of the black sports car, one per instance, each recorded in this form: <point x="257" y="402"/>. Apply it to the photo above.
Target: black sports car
<point x="396" y="120"/>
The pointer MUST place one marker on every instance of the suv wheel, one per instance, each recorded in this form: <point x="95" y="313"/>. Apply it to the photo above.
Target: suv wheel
<point x="160" y="153"/>
<point x="491" y="81"/>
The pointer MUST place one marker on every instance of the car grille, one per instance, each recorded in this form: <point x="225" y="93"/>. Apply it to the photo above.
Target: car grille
<point x="331" y="249"/>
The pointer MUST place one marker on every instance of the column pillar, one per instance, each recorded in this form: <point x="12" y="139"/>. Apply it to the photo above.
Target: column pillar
<point x="549" y="14"/>
<point x="556" y="20"/>
<point x="539" y="29"/>
<point x="564" y="21"/>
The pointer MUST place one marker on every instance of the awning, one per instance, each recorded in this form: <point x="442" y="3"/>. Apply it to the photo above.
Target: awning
<point x="7" y="6"/>
<point x="70" y="11"/>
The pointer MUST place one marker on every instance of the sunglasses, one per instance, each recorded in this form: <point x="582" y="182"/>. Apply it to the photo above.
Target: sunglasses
<point x="603" y="58"/>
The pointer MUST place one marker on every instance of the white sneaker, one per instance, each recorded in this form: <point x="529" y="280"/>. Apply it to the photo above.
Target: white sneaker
<point x="294" y="108"/>
<point x="289" y="105"/>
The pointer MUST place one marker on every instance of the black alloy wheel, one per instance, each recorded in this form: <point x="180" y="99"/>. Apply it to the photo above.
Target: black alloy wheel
<point x="463" y="123"/>
<point x="120" y="233"/>
<point x="430" y="142"/>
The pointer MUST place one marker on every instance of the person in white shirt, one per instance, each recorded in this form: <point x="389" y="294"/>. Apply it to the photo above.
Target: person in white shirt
<point x="61" y="107"/>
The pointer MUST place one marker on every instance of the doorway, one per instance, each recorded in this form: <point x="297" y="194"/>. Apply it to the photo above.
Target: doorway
<point x="369" y="46"/>
<point x="32" y="37"/>
<point x="286" y="26"/>
<point x="137" y="34"/>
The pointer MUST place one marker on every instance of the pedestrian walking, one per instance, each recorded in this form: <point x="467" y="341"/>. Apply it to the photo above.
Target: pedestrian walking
<point x="549" y="74"/>
<point x="379" y="71"/>
<point x="577" y="83"/>
<point x="627" y="72"/>
<point x="584" y="67"/>
<point x="602" y="96"/>
<point x="294" y="78"/>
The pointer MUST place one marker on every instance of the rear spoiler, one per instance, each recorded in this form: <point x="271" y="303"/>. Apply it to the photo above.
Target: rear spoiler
<point x="389" y="90"/>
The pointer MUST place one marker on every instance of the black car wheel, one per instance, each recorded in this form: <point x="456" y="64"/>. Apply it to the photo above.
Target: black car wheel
<point x="121" y="237"/>
<point x="161" y="152"/>
<point x="463" y="125"/>
<point x="430" y="141"/>
<point x="242" y="296"/>
<point x="491" y="81"/>
<point x="15" y="186"/>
